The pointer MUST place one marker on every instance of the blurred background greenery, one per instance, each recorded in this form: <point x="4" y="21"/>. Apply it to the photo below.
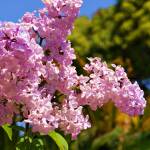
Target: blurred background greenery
<point x="119" y="34"/>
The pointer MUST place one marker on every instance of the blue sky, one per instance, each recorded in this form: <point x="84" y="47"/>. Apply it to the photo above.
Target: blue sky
<point x="12" y="10"/>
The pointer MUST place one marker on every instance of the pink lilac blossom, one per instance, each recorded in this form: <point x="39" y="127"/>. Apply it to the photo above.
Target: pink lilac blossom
<point x="39" y="82"/>
<point x="107" y="84"/>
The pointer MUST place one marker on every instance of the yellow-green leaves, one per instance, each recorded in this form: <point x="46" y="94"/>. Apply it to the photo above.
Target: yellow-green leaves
<point x="60" y="141"/>
<point x="8" y="130"/>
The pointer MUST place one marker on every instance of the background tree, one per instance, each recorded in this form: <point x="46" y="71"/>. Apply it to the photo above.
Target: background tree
<point x="120" y="34"/>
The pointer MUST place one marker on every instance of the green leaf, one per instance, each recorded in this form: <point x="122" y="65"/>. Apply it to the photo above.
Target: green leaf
<point x="18" y="128"/>
<point x="60" y="141"/>
<point x="8" y="130"/>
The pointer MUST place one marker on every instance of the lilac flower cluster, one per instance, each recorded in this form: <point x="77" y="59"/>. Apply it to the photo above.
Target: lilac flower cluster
<point x="39" y="82"/>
